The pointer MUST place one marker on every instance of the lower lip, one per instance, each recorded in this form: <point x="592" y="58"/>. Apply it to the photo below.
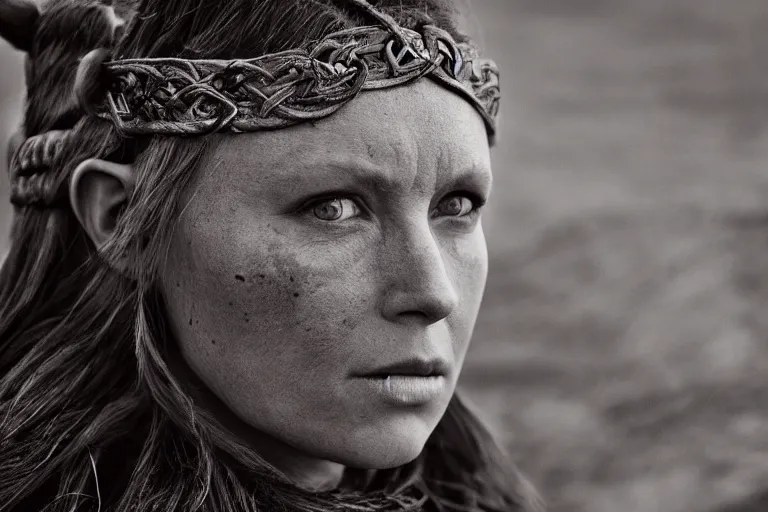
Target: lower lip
<point x="408" y="390"/>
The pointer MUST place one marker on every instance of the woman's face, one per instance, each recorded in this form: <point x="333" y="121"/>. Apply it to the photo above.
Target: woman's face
<point x="309" y="259"/>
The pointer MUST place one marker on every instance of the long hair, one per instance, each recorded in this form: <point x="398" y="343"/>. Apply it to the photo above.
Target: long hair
<point x="91" y="417"/>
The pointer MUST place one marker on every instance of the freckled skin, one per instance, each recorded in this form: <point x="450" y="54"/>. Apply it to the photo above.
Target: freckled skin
<point x="296" y="304"/>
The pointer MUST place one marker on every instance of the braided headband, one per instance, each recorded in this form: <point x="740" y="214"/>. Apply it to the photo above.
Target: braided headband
<point x="31" y="184"/>
<point x="196" y="97"/>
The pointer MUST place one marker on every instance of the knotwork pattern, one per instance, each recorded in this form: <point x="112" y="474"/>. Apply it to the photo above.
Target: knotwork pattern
<point x="192" y="97"/>
<point x="31" y="181"/>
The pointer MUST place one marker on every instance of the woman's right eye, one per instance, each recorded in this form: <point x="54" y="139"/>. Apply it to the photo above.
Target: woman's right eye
<point x="335" y="210"/>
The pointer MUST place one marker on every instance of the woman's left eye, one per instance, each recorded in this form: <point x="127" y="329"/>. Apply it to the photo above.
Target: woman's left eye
<point x="455" y="206"/>
<point x="335" y="210"/>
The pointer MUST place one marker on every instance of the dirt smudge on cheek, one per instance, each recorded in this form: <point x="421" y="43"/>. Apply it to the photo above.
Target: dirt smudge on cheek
<point x="293" y="299"/>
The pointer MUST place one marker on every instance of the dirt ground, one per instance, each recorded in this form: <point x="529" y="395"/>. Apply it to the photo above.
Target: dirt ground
<point x="622" y="351"/>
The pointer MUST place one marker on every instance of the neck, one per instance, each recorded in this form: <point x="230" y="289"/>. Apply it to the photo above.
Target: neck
<point x="309" y="473"/>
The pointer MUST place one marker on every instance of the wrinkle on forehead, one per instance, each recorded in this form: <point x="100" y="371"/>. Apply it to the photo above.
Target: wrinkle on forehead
<point x="414" y="131"/>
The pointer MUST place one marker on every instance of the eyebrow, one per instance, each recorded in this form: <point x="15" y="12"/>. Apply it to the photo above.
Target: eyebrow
<point x="377" y="177"/>
<point x="365" y="173"/>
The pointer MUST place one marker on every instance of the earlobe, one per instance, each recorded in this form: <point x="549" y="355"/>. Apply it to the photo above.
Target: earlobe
<point x="98" y="190"/>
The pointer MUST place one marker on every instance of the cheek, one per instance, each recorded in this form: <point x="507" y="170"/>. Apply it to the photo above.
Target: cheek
<point x="247" y="301"/>
<point x="469" y="263"/>
<point x="468" y="258"/>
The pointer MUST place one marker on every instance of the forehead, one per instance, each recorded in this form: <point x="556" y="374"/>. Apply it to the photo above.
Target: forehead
<point x="418" y="124"/>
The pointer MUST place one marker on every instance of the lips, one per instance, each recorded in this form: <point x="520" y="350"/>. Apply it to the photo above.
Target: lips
<point x="410" y="368"/>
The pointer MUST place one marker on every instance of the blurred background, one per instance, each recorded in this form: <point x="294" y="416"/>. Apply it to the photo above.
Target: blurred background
<point x="622" y="351"/>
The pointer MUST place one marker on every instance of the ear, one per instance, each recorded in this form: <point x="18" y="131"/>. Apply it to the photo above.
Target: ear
<point x="98" y="191"/>
<point x="18" y="22"/>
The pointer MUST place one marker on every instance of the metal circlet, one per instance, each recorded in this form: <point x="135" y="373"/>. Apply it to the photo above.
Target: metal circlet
<point x="194" y="97"/>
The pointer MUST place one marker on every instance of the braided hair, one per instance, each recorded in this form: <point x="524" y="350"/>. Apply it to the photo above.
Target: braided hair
<point x="91" y="418"/>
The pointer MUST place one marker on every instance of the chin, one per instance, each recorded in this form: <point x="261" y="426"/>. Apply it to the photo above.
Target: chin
<point x="389" y="456"/>
<point x="387" y="446"/>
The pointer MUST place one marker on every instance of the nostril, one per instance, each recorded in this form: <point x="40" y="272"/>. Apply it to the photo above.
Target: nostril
<point x="424" y="306"/>
<point x="416" y="314"/>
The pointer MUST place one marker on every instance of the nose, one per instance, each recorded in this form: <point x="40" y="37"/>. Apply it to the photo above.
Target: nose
<point x="418" y="286"/>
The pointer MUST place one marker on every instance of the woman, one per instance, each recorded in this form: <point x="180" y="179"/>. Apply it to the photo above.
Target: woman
<point x="246" y="263"/>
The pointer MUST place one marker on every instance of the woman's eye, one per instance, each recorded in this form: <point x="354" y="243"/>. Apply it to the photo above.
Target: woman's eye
<point x="455" y="206"/>
<point x="334" y="210"/>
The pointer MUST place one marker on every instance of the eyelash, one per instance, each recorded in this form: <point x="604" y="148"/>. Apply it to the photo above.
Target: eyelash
<point x="309" y="206"/>
<point x="478" y="202"/>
